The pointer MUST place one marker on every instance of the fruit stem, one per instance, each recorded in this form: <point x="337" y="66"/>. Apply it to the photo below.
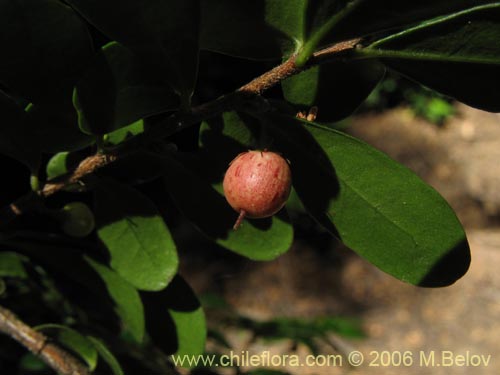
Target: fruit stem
<point x="239" y="220"/>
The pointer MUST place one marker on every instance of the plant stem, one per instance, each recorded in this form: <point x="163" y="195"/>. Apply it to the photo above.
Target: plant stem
<point x="313" y="43"/>
<point x="57" y="358"/>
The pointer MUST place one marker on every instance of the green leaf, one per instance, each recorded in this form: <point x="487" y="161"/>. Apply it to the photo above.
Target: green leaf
<point x="457" y="55"/>
<point x="74" y="341"/>
<point x="11" y="265"/>
<point x="128" y="303"/>
<point x="15" y="140"/>
<point x="45" y="46"/>
<point x="110" y="293"/>
<point x="163" y="33"/>
<point x="253" y="29"/>
<point x="55" y="128"/>
<point x="118" y="136"/>
<point x="176" y="321"/>
<point x="140" y="245"/>
<point x="106" y="355"/>
<point x="379" y="208"/>
<point x="372" y="16"/>
<point x="337" y="89"/>
<point x="31" y="362"/>
<point x="57" y="165"/>
<point x="128" y="91"/>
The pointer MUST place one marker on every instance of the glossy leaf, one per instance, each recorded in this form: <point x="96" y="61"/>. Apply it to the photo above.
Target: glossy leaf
<point x="458" y="55"/>
<point x="128" y="303"/>
<point x="337" y="89"/>
<point x="128" y="91"/>
<point x="106" y="355"/>
<point x="163" y="33"/>
<point x="176" y="321"/>
<point x="372" y="16"/>
<point x="379" y="208"/>
<point x="140" y="245"/>
<point x="11" y="265"/>
<point x="45" y="46"/>
<point x="74" y="341"/>
<point x="15" y="140"/>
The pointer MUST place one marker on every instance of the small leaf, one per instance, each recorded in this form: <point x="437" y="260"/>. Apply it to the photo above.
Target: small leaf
<point x="11" y="265"/>
<point x="379" y="208"/>
<point x="176" y="321"/>
<point x="74" y="341"/>
<point x="128" y="303"/>
<point x="337" y="89"/>
<point x="457" y="55"/>
<point x="45" y="46"/>
<point x="57" y="165"/>
<point x="140" y="245"/>
<point x="163" y="34"/>
<point x="106" y="355"/>
<point x="128" y="91"/>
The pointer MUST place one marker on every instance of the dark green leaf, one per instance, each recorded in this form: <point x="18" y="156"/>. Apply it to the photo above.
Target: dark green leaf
<point x="56" y="128"/>
<point x="140" y="245"/>
<point x="45" y="46"/>
<point x="128" y="303"/>
<point x="11" y="265"/>
<point x="128" y="91"/>
<point x="458" y="55"/>
<point x="74" y="341"/>
<point x="135" y="168"/>
<point x="15" y="140"/>
<point x="372" y="16"/>
<point x="379" y="208"/>
<point x="109" y="292"/>
<point x="164" y="33"/>
<point x="253" y="29"/>
<point x="337" y="89"/>
<point x="31" y="362"/>
<point x="106" y="355"/>
<point x="176" y="321"/>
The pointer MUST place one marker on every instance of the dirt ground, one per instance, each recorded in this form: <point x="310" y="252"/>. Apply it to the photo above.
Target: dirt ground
<point x="458" y="325"/>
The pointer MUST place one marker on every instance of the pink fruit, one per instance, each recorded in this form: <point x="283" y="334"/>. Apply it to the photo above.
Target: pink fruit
<point x="257" y="184"/>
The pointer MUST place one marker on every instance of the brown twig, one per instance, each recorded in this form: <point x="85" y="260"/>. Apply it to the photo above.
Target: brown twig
<point x="183" y="120"/>
<point x="54" y="356"/>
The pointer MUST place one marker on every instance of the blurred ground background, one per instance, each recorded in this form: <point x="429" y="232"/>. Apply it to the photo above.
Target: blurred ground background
<point x="460" y="158"/>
